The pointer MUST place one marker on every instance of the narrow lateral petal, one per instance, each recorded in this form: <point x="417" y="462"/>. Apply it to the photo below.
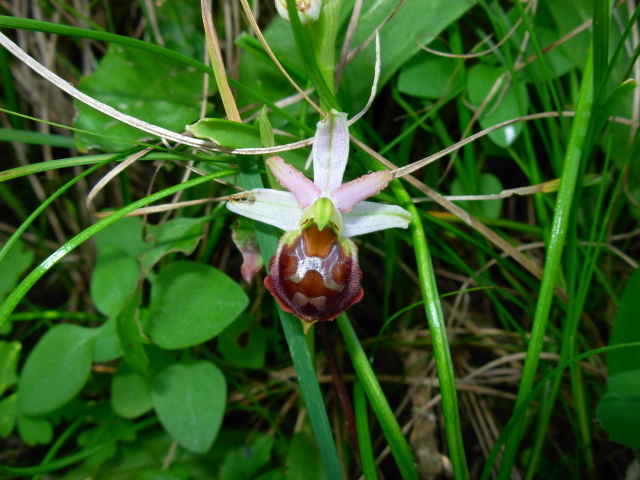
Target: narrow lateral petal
<point x="347" y="195"/>
<point x="272" y="207"/>
<point x="330" y="151"/>
<point x="293" y="180"/>
<point x="369" y="217"/>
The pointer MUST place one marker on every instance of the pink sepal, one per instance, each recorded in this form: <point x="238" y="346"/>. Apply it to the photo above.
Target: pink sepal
<point x="293" y="180"/>
<point x="348" y="195"/>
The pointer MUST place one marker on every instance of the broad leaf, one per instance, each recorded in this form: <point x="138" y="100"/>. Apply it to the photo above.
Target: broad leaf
<point x="154" y="89"/>
<point x="619" y="410"/>
<point x="34" y="431"/>
<point x="190" y="402"/>
<point x="107" y="347"/>
<point x="246" y="461"/>
<point x="177" y="235"/>
<point x="125" y="234"/>
<point x="14" y="263"/>
<point x="192" y="303"/>
<point x="114" y="277"/>
<point x="130" y="393"/>
<point x="8" y="414"/>
<point x="244" y="343"/>
<point x="131" y="336"/>
<point x="56" y="369"/>
<point x="504" y="104"/>
<point x="626" y="328"/>
<point x="9" y="355"/>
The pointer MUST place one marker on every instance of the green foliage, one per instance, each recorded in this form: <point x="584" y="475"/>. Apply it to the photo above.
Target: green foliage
<point x="166" y="95"/>
<point x="626" y="328"/>
<point x="190" y="401"/>
<point x="619" y="410"/>
<point x="13" y="264"/>
<point x="107" y="363"/>
<point x="56" y="369"/>
<point x="192" y="303"/>
<point x="244" y="343"/>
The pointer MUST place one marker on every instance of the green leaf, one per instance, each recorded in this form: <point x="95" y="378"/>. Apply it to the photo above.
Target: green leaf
<point x="190" y="402"/>
<point x="304" y="459"/>
<point x="34" y="431"/>
<point x="180" y="23"/>
<point x="9" y="355"/>
<point x="8" y="414"/>
<point x="619" y="410"/>
<point x="244" y="462"/>
<point x="156" y="90"/>
<point x="397" y="39"/>
<point x="503" y="104"/>
<point x="56" y="369"/>
<point x="131" y="336"/>
<point x="226" y="133"/>
<point x="177" y="235"/>
<point x="114" y="277"/>
<point x="107" y="347"/>
<point x="626" y="328"/>
<point x="130" y="393"/>
<point x="429" y="76"/>
<point x="14" y="263"/>
<point x="192" y="303"/>
<point x="244" y="343"/>
<point x="125" y="234"/>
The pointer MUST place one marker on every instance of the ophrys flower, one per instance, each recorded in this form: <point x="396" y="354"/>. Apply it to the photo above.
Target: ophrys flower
<point x="315" y="273"/>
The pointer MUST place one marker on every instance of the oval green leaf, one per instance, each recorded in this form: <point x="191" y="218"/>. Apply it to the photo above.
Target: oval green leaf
<point x="56" y="369"/>
<point x="192" y="303"/>
<point x="190" y="402"/>
<point x="619" y="410"/>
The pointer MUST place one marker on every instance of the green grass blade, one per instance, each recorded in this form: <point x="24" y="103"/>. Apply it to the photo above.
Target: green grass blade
<point x="392" y="431"/>
<point x="559" y="228"/>
<point x="367" y="459"/>
<point x="438" y="331"/>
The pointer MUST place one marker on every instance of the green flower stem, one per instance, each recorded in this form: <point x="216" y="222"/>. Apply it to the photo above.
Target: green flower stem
<point x="367" y="459"/>
<point x="554" y="256"/>
<point x="392" y="431"/>
<point x="21" y="290"/>
<point x="439" y="339"/>
<point x="268" y="241"/>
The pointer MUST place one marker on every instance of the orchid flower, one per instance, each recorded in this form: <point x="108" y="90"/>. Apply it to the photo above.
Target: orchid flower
<point x="315" y="273"/>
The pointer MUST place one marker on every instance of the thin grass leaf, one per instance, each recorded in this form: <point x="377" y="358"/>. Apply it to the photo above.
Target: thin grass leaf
<point x="573" y="157"/>
<point x="367" y="459"/>
<point x="392" y="431"/>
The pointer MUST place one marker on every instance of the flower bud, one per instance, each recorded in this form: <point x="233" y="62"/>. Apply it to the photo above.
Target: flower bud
<point x="308" y="10"/>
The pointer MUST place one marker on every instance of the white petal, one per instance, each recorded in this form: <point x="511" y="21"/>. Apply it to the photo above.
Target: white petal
<point x="330" y="151"/>
<point x="293" y="180"/>
<point x="347" y="195"/>
<point x="272" y="207"/>
<point x="369" y="217"/>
